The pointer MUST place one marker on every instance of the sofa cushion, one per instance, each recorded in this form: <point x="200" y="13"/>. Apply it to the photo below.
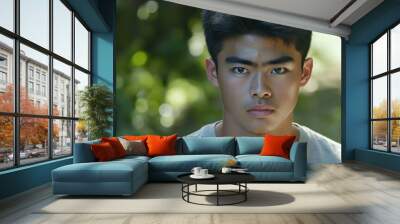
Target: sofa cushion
<point x="103" y="151"/>
<point x="249" y="145"/>
<point x="135" y="137"/>
<point x="185" y="163"/>
<point x="208" y="145"/>
<point x="257" y="163"/>
<point x="116" y="145"/>
<point x="135" y="147"/>
<point x="111" y="171"/>
<point x="277" y="145"/>
<point x="161" y="145"/>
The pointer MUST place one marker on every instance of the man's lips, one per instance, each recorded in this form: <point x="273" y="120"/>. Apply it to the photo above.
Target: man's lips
<point x="261" y="110"/>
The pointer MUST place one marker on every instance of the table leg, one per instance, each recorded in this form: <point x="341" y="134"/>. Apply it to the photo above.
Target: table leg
<point x="217" y="194"/>
<point x="245" y="193"/>
<point x="196" y="188"/>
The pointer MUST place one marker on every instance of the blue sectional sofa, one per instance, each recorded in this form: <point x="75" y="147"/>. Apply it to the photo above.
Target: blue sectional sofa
<point x="125" y="176"/>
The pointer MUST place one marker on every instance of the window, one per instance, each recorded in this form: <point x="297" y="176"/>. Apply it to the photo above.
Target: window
<point x="62" y="30"/>
<point x="38" y="89"/>
<point x="43" y="90"/>
<point x="7" y="14"/>
<point x="30" y="72"/>
<point x="3" y="72"/>
<point x="30" y="87"/>
<point x="41" y="82"/>
<point x="34" y="26"/>
<point x="3" y="61"/>
<point x="385" y="94"/>
<point x="3" y="78"/>
<point x="62" y="74"/>
<point x="81" y="45"/>
<point x="37" y="74"/>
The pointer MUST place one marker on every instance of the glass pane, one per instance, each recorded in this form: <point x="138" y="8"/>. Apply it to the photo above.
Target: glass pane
<point x="62" y="89"/>
<point x="33" y="139"/>
<point x="395" y="136"/>
<point x="62" y="138"/>
<point x="62" y="29"/>
<point x="81" y="45"/>
<point x="7" y="14"/>
<point x="6" y="142"/>
<point x="81" y="131"/>
<point x="395" y="94"/>
<point x="34" y="72"/>
<point x="379" y="97"/>
<point x="379" y="55"/>
<point x="35" y="21"/>
<point x="6" y="74"/>
<point x="395" y="47"/>
<point x="81" y="81"/>
<point x="379" y="135"/>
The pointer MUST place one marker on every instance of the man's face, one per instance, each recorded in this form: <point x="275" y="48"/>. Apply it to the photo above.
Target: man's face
<point x="259" y="80"/>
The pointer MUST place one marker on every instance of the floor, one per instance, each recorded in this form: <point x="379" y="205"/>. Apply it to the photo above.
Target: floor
<point x="351" y="181"/>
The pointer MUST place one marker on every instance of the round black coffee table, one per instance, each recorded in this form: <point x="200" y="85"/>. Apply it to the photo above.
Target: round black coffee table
<point x="238" y="179"/>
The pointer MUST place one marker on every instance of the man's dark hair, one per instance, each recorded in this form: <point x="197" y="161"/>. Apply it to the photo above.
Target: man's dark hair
<point x="219" y="26"/>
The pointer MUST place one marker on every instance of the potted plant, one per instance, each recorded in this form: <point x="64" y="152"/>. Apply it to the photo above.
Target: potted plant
<point x="96" y="103"/>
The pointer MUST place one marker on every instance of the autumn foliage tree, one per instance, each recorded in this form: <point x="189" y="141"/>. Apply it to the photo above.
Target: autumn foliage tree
<point x="380" y="127"/>
<point x="33" y="131"/>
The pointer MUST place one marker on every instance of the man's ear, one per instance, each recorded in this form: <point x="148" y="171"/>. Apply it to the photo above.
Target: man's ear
<point x="211" y="70"/>
<point x="307" y="70"/>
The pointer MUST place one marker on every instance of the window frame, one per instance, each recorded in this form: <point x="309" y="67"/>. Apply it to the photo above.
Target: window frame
<point x="16" y="115"/>
<point x="388" y="74"/>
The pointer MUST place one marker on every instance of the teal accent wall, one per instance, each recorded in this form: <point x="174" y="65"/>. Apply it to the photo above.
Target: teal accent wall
<point x="24" y="178"/>
<point x="103" y="54"/>
<point x="100" y="16"/>
<point x="356" y="86"/>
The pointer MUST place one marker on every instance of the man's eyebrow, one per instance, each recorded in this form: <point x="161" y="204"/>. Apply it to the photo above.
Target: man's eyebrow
<point x="234" y="59"/>
<point x="280" y="60"/>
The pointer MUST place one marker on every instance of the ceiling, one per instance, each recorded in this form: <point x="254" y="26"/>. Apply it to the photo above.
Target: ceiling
<point x="326" y="16"/>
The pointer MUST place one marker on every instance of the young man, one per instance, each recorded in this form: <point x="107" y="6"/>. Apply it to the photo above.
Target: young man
<point x="259" y="69"/>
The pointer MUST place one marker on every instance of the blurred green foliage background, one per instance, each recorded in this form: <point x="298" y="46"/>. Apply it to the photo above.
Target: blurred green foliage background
<point x="162" y="86"/>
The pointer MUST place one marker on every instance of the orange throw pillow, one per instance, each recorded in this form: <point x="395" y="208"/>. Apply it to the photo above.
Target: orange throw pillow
<point x="103" y="151"/>
<point x="277" y="145"/>
<point x="135" y="137"/>
<point x="161" y="145"/>
<point x="116" y="145"/>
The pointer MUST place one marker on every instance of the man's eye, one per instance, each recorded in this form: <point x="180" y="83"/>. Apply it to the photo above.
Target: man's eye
<point x="239" y="70"/>
<point x="279" y="71"/>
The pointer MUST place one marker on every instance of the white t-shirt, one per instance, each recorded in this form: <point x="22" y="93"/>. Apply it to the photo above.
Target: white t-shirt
<point x="320" y="149"/>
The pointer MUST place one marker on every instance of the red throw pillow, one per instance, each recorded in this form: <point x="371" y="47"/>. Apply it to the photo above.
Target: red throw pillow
<point x="161" y="145"/>
<point x="116" y="145"/>
<point x="277" y="145"/>
<point x="103" y="151"/>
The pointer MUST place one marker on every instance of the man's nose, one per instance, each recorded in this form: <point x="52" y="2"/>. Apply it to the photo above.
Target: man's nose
<point x="260" y="87"/>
